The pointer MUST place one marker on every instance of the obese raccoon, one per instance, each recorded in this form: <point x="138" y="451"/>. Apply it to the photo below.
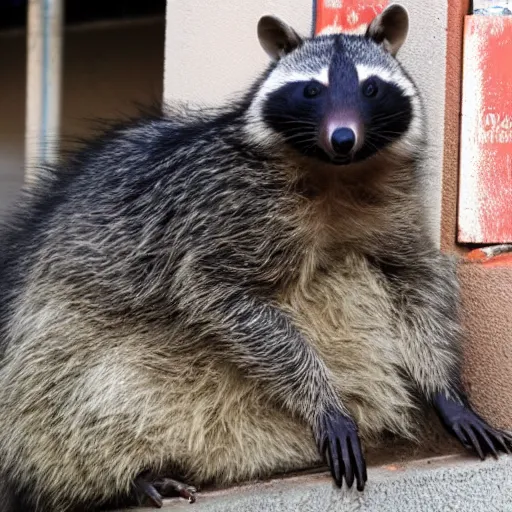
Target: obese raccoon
<point x="216" y="296"/>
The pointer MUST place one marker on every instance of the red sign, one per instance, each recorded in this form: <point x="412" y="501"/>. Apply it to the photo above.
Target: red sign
<point x="485" y="186"/>
<point x="346" y="15"/>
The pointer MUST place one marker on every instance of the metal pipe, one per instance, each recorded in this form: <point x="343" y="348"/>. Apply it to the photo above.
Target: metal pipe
<point x="44" y="70"/>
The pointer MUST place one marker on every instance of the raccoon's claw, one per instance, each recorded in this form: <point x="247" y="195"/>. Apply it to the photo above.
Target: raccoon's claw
<point x="470" y="429"/>
<point x="161" y="488"/>
<point x="169" y="487"/>
<point x="339" y="442"/>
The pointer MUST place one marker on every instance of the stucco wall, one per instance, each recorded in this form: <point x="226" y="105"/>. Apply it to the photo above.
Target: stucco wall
<point x="212" y="51"/>
<point x="107" y="68"/>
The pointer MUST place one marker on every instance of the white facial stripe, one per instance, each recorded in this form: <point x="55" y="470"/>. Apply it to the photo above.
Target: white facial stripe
<point x="282" y="77"/>
<point x="365" y="72"/>
<point x="323" y="76"/>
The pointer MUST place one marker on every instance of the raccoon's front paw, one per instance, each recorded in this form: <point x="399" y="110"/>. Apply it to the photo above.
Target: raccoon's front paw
<point x="470" y="429"/>
<point x="338" y="440"/>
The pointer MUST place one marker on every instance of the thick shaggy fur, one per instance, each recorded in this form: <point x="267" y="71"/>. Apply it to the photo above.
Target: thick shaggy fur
<point x="189" y="293"/>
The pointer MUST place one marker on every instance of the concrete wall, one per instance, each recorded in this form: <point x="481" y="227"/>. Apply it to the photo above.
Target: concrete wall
<point x="212" y="51"/>
<point x="107" y="67"/>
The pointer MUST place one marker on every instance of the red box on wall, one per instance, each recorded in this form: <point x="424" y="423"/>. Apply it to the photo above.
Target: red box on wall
<point x="485" y="184"/>
<point x="346" y="15"/>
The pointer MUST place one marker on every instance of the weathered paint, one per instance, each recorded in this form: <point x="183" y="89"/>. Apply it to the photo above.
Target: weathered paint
<point x="493" y="256"/>
<point x="485" y="187"/>
<point x="346" y="15"/>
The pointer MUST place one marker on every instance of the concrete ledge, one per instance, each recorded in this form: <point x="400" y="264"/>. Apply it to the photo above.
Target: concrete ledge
<point x="438" y="484"/>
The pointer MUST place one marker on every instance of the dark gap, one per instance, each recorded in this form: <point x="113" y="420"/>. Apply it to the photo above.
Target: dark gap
<point x="13" y="13"/>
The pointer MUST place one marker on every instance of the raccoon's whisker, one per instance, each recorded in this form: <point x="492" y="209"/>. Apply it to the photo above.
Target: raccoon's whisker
<point x="392" y="114"/>
<point x="390" y="132"/>
<point x="292" y="120"/>
<point x="299" y="123"/>
<point x="382" y="118"/>
<point x="369" y="142"/>
<point x="313" y="140"/>
<point x="288" y="116"/>
<point x="373" y="138"/>
<point x="386" y="134"/>
<point x="383" y="121"/>
<point x="306" y="137"/>
<point x="307" y="130"/>
<point x="381" y="136"/>
<point x="307" y="141"/>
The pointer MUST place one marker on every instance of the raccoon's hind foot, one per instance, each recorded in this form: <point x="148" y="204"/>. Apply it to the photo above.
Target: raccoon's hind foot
<point x="155" y="489"/>
<point x="469" y="428"/>
<point x="338" y="440"/>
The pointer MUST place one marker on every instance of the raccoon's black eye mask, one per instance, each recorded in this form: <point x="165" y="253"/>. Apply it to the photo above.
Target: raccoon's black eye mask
<point x="339" y="126"/>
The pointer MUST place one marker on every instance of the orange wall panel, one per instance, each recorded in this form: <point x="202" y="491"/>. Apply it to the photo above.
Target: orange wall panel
<point x="485" y="186"/>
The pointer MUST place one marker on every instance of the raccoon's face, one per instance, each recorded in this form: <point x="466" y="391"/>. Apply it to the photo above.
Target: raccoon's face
<point x="337" y="98"/>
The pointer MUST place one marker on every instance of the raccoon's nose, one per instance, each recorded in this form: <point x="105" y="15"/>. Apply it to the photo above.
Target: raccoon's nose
<point x="343" y="140"/>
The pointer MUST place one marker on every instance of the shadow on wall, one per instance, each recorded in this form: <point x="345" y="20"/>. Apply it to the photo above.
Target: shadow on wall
<point x="107" y="70"/>
<point x="13" y="13"/>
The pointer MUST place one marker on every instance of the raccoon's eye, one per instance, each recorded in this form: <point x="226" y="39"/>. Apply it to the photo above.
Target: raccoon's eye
<point x="370" y="88"/>
<point x="312" y="90"/>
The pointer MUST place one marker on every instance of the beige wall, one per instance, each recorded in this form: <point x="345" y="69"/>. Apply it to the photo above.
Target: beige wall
<point x="212" y="48"/>
<point x="106" y="69"/>
<point x="212" y="51"/>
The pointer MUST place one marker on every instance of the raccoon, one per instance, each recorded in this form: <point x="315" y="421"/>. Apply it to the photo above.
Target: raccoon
<point x="212" y="296"/>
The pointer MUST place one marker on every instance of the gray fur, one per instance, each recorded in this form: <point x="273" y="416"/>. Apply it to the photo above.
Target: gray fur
<point x="190" y="294"/>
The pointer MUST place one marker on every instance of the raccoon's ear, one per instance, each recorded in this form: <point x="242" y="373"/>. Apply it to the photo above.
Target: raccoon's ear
<point x="390" y="28"/>
<point x="276" y="37"/>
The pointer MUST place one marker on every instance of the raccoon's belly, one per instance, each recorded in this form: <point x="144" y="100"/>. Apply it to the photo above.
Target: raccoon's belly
<point x="231" y="432"/>
<point x="221" y="428"/>
<point x="346" y="314"/>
